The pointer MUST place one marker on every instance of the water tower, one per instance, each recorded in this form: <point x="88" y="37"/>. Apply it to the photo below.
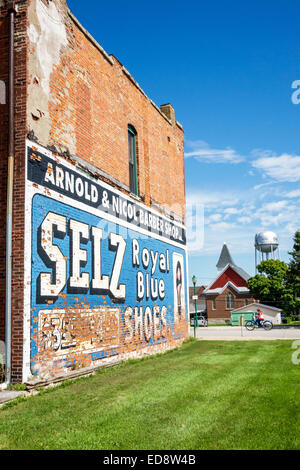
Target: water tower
<point x="266" y="247"/>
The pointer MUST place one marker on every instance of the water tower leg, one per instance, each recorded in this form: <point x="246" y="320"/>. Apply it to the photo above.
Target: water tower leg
<point x="255" y="260"/>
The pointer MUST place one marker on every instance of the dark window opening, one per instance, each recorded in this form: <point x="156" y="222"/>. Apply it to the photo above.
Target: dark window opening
<point x="133" y="174"/>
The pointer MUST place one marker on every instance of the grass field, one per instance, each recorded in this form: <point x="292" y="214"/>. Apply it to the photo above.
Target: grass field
<point x="204" y="395"/>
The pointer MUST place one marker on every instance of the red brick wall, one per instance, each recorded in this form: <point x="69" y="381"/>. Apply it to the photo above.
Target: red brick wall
<point x="19" y="180"/>
<point x="3" y="160"/>
<point x="91" y="101"/>
<point x="221" y="312"/>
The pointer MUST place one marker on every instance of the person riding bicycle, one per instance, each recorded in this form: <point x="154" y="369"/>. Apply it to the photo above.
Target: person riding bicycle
<point x="260" y="318"/>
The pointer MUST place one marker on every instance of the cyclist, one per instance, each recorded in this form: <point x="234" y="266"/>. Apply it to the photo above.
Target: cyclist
<point x="260" y="318"/>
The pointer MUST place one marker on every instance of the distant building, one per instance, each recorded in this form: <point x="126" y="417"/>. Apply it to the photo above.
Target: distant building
<point x="269" y="312"/>
<point x="228" y="291"/>
<point x="200" y="301"/>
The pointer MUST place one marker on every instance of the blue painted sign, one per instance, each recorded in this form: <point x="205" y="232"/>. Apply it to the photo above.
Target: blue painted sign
<point x="102" y="283"/>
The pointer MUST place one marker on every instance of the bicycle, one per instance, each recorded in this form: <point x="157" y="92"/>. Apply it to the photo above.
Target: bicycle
<point x="251" y="324"/>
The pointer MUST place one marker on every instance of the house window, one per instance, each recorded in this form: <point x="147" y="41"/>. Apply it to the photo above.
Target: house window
<point x="246" y="301"/>
<point x="214" y="304"/>
<point x="229" y="301"/>
<point x="133" y="175"/>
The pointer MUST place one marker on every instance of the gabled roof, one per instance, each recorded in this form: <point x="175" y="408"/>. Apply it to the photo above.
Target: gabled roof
<point x="257" y="304"/>
<point x="242" y="273"/>
<point x="225" y="258"/>
<point x="219" y="290"/>
<point x="237" y="280"/>
<point x="238" y="270"/>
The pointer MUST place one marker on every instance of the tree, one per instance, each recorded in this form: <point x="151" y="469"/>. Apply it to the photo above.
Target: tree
<point x="270" y="285"/>
<point x="293" y="273"/>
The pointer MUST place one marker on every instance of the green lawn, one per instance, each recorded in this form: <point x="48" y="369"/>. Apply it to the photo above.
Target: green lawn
<point x="204" y="395"/>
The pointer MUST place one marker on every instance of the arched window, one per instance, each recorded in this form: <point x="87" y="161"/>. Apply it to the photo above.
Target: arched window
<point x="133" y="174"/>
<point x="229" y="301"/>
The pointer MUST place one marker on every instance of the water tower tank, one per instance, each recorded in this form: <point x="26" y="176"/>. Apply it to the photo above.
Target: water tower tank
<point x="266" y="242"/>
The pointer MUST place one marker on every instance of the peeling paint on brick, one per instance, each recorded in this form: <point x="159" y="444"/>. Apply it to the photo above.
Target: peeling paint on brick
<point x="106" y="276"/>
<point x="47" y="36"/>
<point x="75" y="102"/>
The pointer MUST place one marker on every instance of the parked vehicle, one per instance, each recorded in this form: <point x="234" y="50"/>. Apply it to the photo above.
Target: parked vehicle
<point x="202" y="321"/>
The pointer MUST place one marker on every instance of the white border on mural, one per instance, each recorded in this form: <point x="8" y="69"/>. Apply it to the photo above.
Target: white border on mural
<point x="31" y="189"/>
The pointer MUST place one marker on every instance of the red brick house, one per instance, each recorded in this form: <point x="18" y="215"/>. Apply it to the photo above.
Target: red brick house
<point x="228" y="291"/>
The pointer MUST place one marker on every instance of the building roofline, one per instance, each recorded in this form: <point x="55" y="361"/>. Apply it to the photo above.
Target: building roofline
<point x="225" y="255"/>
<point x="220" y="290"/>
<point x="234" y="267"/>
<point x="90" y="37"/>
<point x="111" y="60"/>
<point x="262" y="305"/>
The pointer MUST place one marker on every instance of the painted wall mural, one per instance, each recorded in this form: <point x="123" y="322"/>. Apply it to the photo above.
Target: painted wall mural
<point x="106" y="276"/>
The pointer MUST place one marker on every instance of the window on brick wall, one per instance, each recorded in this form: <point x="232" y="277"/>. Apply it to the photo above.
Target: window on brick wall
<point x="214" y="304"/>
<point x="246" y="302"/>
<point x="229" y="301"/>
<point x="133" y="173"/>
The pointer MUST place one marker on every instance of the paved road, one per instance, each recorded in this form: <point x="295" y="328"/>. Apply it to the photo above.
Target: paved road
<point x="234" y="333"/>
<point x="8" y="395"/>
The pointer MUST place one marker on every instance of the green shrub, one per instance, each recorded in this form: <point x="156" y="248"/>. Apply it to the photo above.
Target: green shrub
<point x="284" y="320"/>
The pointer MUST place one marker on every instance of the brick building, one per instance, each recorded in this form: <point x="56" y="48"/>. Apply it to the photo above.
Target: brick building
<point x="228" y="291"/>
<point x="98" y="201"/>
<point x="200" y="301"/>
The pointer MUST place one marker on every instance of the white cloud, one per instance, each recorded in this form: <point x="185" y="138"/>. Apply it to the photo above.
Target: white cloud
<point x="244" y="220"/>
<point x="231" y="210"/>
<point x="292" y="194"/>
<point x="258" y="186"/>
<point x="222" y="226"/>
<point x="214" y="218"/>
<point x="237" y="213"/>
<point x="291" y="228"/>
<point x="201" y="151"/>
<point x="285" y="167"/>
<point x="274" y="206"/>
<point x="214" y="199"/>
<point x="278" y="214"/>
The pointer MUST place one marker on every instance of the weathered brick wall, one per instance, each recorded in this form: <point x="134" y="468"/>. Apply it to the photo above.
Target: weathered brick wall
<point x="75" y="99"/>
<point x="3" y="153"/>
<point x="100" y="285"/>
<point x="79" y="104"/>
<point x="20" y="43"/>
<point x="81" y="101"/>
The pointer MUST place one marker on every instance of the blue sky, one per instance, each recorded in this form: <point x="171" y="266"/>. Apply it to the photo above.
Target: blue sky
<point x="228" y="69"/>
